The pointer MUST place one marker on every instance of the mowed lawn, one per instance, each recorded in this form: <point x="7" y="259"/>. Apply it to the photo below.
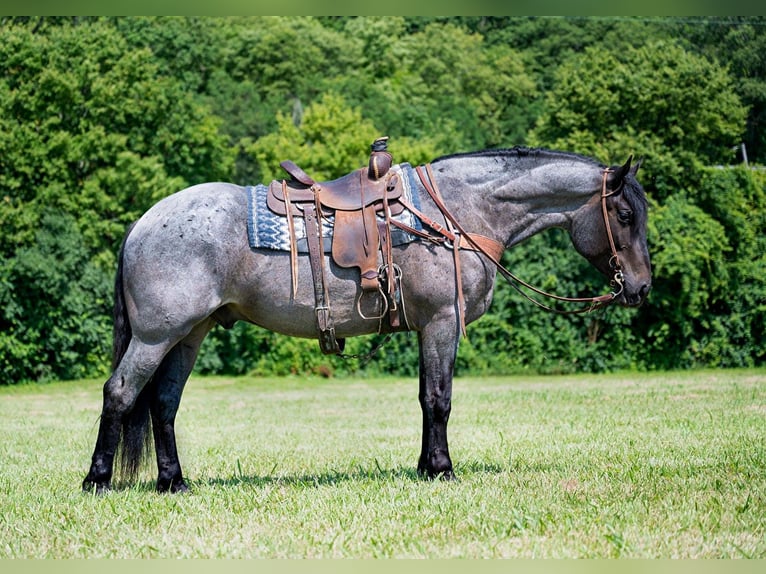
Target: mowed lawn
<point x="658" y="465"/>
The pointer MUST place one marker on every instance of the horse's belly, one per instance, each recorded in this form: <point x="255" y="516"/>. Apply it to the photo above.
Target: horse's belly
<point x="266" y="299"/>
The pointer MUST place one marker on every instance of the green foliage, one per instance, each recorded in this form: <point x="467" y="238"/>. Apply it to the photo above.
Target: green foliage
<point x="708" y="305"/>
<point x="187" y="49"/>
<point x="90" y="127"/>
<point x="326" y="139"/>
<point x="407" y="80"/>
<point x="608" y="103"/>
<point x="55" y="307"/>
<point x="740" y="46"/>
<point x="689" y="264"/>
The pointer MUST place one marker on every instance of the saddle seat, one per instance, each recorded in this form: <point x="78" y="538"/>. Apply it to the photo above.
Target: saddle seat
<point x="351" y="192"/>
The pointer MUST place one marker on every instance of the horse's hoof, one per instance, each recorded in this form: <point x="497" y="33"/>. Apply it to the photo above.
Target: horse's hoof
<point x="172" y="487"/>
<point x="436" y="465"/>
<point x="179" y="488"/>
<point x="91" y="486"/>
<point x="447" y="475"/>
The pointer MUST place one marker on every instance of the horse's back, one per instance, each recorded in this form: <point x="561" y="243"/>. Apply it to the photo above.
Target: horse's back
<point x="200" y="209"/>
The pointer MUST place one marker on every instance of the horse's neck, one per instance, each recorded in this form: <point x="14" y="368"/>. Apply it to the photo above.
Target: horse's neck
<point x="512" y="203"/>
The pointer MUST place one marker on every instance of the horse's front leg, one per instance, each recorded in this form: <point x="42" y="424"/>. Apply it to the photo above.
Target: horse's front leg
<point x="438" y="349"/>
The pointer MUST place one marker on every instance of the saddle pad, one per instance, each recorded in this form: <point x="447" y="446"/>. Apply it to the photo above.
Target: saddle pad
<point x="267" y="230"/>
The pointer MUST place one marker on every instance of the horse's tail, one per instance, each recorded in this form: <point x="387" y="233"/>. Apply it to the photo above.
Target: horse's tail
<point x="135" y="440"/>
<point x="122" y="331"/>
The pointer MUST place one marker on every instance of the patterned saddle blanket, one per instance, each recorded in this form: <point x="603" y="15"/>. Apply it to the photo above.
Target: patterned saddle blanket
<point x="267" y="230"/>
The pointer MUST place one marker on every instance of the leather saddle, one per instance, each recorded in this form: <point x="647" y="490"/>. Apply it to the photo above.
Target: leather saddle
<point x="361" y="204"/>
<point x="354" y="200"/>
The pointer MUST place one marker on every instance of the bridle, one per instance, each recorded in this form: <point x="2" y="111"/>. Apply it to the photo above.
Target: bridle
<point x="593" y="303"/>
<point x="614" y="261"/>
<point x="455" y="237"/>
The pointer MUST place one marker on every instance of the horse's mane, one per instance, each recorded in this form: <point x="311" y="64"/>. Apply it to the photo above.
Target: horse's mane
<point x="521" y="152"/>
<point x="634" y="192"/>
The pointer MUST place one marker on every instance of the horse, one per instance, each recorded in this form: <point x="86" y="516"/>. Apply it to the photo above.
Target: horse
<point x="186" y="266"/>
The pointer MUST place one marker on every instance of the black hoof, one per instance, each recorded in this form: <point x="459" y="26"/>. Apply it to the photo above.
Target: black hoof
<point x="180" y="488"/>
<point x="91" y="486"/>
<point x="436" y="465"/>
<point x="172" y="487"/>
<point x="447" y="474"/>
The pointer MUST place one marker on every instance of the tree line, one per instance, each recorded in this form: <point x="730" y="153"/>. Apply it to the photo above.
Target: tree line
<point x="102" y="117"/>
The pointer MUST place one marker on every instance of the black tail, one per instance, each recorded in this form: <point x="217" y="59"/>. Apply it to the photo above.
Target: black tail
<point x="122" y="330"/>
<point x="136" y="439"/>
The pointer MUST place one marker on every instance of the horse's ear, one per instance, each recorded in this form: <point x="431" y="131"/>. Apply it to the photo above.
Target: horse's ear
<point x="634" y="169"/>
<point x="615" y="181"/>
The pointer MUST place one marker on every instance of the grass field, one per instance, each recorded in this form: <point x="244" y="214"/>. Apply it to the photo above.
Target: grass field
<point x="666" y="465"/>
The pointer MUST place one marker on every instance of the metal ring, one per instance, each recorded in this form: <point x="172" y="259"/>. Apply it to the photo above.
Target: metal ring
<point x="383" y="269"/>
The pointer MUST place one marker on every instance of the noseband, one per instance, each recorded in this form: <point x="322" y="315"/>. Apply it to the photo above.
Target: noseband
<point x="456" y="237"/>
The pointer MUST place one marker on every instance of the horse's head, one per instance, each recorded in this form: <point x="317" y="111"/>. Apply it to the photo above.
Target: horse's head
<point x="619" y="210"/>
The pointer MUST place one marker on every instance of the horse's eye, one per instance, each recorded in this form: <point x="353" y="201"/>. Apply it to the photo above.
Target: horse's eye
<point x="625" y="217"/>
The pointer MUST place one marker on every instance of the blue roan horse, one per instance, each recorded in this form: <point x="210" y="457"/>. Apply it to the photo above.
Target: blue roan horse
<point x="187" y="265"/>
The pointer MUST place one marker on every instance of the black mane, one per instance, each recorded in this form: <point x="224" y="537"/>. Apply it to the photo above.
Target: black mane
<point x="521" y="152"/>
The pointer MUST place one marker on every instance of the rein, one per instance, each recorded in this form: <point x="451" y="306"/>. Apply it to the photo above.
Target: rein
<point x="457" y="238"/>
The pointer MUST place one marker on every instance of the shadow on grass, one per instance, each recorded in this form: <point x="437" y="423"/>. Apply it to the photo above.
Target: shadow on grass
<point x="327" y="478"/>
<point x="333" y="477"/>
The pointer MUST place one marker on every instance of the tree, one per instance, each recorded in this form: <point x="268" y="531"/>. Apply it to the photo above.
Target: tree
<point x="54" y="307"/>
<point x="739" y="43"/>
<point x="440" y="82"/>
<point x="90" y="127"/>
<point x="329" y="139"/>
<point x="91" y="135"/>
<point x="675" y="108"/>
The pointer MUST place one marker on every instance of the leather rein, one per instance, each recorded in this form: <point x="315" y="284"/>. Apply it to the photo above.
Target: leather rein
<point x="453" y="236"/>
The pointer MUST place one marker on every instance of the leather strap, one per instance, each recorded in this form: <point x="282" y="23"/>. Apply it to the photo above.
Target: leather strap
<point x="433" y="191"/>
<point x="388" y="262"/>
<point x="592" y="302"/>
<point x="293" y="243"/>
<point x="328" y="343"/>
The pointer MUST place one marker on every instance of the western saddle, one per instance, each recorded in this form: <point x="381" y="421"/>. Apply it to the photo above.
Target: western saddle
<point x="356" y="201"/>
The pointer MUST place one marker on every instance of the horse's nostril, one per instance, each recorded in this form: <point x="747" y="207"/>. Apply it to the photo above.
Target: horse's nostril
<point x="644" y="291"/>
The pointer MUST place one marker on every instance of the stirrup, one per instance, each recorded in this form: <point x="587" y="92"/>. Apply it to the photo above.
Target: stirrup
<point x="383" y="298"/>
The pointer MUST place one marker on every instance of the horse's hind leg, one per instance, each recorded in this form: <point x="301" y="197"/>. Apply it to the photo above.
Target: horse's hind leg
<point x="169" y="384"/>
<point x="120" y="393"/>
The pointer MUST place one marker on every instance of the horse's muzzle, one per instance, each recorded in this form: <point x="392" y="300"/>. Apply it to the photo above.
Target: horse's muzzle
<point x="635" y="298"/>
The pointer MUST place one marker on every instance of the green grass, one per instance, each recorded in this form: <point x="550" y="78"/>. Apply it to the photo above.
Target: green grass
<point x="666" y="465"/>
